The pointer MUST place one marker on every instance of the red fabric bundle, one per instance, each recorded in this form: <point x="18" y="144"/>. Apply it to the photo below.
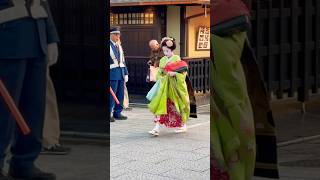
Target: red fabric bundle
<point x="224" y="10"/>
<point x="178" y="66"/>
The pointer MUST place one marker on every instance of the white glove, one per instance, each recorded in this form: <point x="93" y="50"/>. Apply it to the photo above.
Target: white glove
<point x="126" y="78"/>
<point x="52" y="53"/>
<point x="37" y="11"/>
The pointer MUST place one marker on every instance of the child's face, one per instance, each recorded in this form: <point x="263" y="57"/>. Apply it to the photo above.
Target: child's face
<point x="166" y="51"/>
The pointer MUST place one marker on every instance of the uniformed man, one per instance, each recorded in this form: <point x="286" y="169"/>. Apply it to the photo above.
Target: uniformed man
<point x="118" y="74"/>
<point x="28" y="37"/>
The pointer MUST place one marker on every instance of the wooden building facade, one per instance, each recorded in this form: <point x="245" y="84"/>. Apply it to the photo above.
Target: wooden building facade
<point x="142" y="21"/>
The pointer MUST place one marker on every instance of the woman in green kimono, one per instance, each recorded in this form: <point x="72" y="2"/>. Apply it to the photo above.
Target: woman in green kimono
<point x="233" y="132"/>
<point x="171" y="104"/>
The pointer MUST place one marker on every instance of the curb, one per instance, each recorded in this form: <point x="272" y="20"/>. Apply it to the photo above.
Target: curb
<point x="102" y="138"/>
<point x="84" y="135"/>
<point x="298" y="140"/>
<point x="140" y="105"/>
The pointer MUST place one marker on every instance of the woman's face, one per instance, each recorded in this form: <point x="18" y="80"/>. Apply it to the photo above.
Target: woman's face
<point x="166" y="51"/>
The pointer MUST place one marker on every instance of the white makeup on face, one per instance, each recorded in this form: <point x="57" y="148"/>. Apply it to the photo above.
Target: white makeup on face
<point x="166" y="51"/>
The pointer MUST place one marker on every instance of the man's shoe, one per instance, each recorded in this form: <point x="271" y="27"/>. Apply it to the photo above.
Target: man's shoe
<point x="56" y="149"/>
<point x="112" y="119"/>
<point x="35" y="174"/>
<point x="120" y="117"/>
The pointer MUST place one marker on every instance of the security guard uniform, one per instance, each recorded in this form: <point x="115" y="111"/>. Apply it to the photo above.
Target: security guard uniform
<point x="26" y="29"/>
<point x="118" y="76"/>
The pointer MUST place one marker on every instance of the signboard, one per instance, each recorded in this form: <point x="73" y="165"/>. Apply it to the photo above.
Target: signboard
<point x="203" y="41"/>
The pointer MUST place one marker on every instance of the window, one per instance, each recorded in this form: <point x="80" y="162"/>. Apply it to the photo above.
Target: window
<point x="132" y="18"/>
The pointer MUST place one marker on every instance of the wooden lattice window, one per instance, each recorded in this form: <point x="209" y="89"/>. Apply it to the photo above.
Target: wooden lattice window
<point x="132" y="18"/>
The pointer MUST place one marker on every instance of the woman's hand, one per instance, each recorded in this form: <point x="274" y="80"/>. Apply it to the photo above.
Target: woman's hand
<point x="171" y="73"/>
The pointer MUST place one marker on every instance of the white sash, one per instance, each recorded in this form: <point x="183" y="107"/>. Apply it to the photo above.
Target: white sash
<point x="19" y="10"/>
<point x="37" y="11"/>
<point x="115" y="61"/>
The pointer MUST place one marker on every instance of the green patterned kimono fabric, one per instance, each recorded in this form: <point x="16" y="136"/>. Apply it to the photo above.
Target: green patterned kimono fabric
<point x="238" y="103"/>
<point x="266" y="159"/>
<point x="232" y="122"/>
<point x="173" y="88"/>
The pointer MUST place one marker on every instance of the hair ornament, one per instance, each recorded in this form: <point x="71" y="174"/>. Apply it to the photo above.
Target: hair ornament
<point x="166" y="38"/>
<point x="169" y="43"/>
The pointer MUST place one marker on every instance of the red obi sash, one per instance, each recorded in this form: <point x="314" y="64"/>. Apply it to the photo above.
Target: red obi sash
<point x="178" y="66"/>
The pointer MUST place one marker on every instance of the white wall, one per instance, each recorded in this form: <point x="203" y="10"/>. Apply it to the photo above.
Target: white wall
<point x="173" y="25"/>
<point x="193" y="26"/>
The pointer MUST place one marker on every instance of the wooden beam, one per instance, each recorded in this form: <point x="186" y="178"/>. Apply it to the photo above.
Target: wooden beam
<point x="197" y="15"/>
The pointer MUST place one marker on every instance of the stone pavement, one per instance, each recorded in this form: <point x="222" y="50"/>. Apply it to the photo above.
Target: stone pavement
<point x="298" y="137"/>
<point x="291" y="123"/>
<point x="137" y="155"/>
<point x="300" y="161"/>
<point x="297" y="160"/>
<point x="88" y="160"/>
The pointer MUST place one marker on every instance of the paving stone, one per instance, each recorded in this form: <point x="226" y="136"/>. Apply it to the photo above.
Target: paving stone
<point x="202" y="150"/>
<point x="181" y="155"/>
<point x="150" y="157"/>
<point x="144" y="167"/>
<point x="142" y="176"/>
<point x="115" y="161"/>
<point x="199" y="166"/>
<point x="186" y="174"/>
<point x="119" y="171"/>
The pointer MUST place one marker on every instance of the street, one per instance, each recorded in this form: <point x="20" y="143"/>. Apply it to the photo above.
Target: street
<point x="137" y="155"/>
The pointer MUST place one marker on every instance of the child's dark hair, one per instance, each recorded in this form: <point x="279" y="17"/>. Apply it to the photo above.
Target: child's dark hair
<point x="168" y="42"/>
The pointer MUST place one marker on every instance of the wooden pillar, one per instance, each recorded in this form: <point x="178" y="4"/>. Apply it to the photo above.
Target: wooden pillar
<point x="183" y="31"/>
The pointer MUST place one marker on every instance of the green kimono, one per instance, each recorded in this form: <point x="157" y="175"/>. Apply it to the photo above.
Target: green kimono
<point x="173" y="89"/>
<point x="232" y="121"/>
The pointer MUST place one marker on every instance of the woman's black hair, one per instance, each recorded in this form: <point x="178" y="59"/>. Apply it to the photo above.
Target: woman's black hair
<point x="169" y="42"/>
